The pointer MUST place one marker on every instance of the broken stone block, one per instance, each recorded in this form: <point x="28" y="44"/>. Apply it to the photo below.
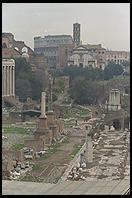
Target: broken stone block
<point x="27" y="165"/>
<point x="19" y="164"/>
<point x="31" y="163"/>
<point x="17" y="169"/>
<point x="16" y="174"/>
<point x="14" y="164"/>
<point x="22" y="166"/>
<point x="28" y="157"/>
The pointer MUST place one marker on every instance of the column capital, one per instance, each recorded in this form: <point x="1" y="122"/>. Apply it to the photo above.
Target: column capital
<point x="4" y="67"/>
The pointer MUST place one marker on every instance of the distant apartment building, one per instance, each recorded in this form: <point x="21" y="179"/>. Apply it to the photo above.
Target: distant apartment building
<point x="117" y="56"/>
<point x="50" y="47"/>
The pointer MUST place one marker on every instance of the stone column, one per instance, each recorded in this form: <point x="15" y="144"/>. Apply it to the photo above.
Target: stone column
<point x="110" y="98"/>
<point x="7" y="80"/>
<point x="50" y="96"/>
<point x="89" y="146"/>
<point x="4" y="80"/>
<point x="43" y="96"/>
<point x="13" y="81"/>
<point x="90" y="150"/>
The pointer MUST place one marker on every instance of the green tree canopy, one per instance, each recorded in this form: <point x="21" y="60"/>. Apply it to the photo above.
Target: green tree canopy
<point x="28" y="84"/>
<point x="86" y="91"/>
<point x="111" y="70"/>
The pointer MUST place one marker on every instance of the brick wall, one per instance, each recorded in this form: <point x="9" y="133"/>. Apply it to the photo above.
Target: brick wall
<point x="64" y="51"/>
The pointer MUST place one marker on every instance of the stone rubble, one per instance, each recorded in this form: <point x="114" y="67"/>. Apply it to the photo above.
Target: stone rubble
<point x="111" y="161"/>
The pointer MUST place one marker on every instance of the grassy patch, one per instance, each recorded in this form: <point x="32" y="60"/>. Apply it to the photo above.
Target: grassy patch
<point x="120" y="78"/>
<point x="57" y="179"/>
<point x="15" y="130"/>
<point x="76" y="115"/>
<point x="83" y="113"/>
<point x="17" y="146"/>
<point x="68" y="115"/>
<point x="105" y="82"/>
<point x="86" y="112"/>
<point x="54" y="148"/>
<point x="36" y="167"/>
<point x="30" y="178"/>
<point x="27" y="178"/>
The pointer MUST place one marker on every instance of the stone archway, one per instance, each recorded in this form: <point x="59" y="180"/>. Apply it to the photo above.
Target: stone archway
<point x="80" y="64"/>
<point x="24" y="50"/>
<point x="4" y="45"/>
<point x="117" y="124"/>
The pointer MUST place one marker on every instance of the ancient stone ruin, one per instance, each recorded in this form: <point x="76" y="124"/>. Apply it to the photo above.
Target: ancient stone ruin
<point x="48" y="129"/>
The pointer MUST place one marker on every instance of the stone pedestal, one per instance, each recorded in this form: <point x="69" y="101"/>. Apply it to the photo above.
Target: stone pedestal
<point x="52" y="124"/>
<point x="43" y="130"/>
<point x="50" y="118"/>
<point x="60" y="125"/>
<point x="42" y="124"/>
<point x="54" y="129"/>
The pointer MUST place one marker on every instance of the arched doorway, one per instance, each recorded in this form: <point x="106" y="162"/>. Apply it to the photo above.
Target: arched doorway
<point x="80" y="64"/>
<point x="4" y="45"/>
<point x="117" y="125"/>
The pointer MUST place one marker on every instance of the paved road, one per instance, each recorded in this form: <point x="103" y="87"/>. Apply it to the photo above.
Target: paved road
<point x="102" y="187"/>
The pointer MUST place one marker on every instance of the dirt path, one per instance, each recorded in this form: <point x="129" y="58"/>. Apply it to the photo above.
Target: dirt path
<point x="57" y="163"/>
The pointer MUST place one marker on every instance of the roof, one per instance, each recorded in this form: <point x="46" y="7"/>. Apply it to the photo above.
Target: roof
<point x="31" y="112"/>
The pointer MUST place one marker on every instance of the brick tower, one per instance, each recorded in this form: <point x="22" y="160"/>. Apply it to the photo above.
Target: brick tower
<point x="76" y="34"/>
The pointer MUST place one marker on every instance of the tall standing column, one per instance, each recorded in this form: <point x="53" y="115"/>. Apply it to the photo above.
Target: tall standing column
<point x="90" y="150"/>
<point x="2" y="81"/>
<point x="5" y="93"/>
<point x="7" y="80"/>
<point x="43" y="96"/>
<point x="13" y="81"/>
<point x="50" y="95"/>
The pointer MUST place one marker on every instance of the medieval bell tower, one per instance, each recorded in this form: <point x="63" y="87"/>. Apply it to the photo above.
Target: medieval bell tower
<point x="76" y="34"/>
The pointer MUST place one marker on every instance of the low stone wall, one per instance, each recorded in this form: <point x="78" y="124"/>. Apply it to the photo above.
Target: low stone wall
<point x="36" y="144"/>
<point x="13" y="155"/>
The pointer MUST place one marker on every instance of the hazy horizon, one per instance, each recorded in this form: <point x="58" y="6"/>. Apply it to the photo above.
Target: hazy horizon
<point x="101" y="23"/>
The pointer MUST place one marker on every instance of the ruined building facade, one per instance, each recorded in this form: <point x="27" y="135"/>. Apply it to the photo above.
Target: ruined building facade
<point x="63" y="50"/>
<point x="8" y="77"/>
<point x="16" y="49"/>
<point x="88" y="56"/>
<point x="50" y="47"/>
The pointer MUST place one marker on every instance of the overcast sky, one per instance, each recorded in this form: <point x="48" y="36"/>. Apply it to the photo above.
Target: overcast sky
<point x="101" y="23"/>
